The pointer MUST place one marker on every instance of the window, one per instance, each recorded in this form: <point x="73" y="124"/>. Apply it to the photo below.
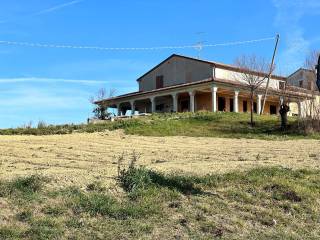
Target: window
<point x="159" y="82"/>
<point x="281" y="85"/>
<point x="189" y="77"/>
<point x="244" y="106"/>
<point x="301" y="83"/>
<point x="255" y="107"/>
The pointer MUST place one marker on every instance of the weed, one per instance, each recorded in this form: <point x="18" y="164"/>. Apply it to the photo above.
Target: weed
<point x="95" y="186"/>
<point x="44" y="228"/>
<point x="23" y="185"/>
<point x="24" y="216"/>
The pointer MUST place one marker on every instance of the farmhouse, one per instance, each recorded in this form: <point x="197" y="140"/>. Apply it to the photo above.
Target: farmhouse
<point x="181" y="83"/>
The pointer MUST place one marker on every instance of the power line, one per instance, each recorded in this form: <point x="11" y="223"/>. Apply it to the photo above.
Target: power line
<point x="195" y="46"/>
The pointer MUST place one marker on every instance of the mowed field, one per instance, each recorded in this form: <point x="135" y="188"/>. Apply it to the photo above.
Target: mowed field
<point x="82" y="158"/>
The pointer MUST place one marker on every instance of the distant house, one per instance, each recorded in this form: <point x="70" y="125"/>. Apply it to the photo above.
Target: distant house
<point x="303" y="78"/>
<point x="181" y="83"/>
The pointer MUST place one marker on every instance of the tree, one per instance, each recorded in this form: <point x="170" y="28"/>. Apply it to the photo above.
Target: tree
<point x="312" y="59"/>
<point x="100" y="111"/>
<point x="312" y="120"/>
<point x="250" y="68"/>
<point x="310" y="62"/>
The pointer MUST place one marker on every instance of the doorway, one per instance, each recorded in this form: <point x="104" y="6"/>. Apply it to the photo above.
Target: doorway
<point x="273" y="109"/>
<point x="221" y="104"/>
<point x="184" y="105"/>
<point x="231" y="105"/>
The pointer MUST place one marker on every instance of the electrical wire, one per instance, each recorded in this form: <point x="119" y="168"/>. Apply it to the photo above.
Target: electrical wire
<point x="194" y="46"/>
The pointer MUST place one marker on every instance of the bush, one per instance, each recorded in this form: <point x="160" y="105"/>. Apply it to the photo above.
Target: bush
<point x="22" y="185"/>
<point x="136" y="179"/>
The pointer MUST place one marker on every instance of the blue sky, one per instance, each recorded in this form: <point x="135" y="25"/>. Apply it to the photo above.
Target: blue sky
<point x="54" y="85"/>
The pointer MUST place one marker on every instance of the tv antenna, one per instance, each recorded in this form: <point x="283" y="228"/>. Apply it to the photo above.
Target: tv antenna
<point x="200" y="44"/>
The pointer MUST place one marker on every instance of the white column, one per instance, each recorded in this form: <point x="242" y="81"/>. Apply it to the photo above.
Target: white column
<point x="281" y="100"/>
<point x="259" y="105"/>
<point x="132" y="107"/>
<point x="236" y="101"/>
<point x="153" y="104"/>
<point x="192" y="104"/>
<point x="175" y="102"/>
<point x="214" y="90"/>
<point x="118" y="109"/>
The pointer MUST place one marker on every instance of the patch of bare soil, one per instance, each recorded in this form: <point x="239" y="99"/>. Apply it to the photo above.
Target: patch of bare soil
<point x="82" y="158"/>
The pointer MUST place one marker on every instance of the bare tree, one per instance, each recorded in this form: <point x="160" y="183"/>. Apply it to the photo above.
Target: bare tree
<point x="312" y="106"/>
<point x="312" y="59"/>
<point x="253" y="72"/>
<point x="100" y="111"/>
<point x="310" y="63"/>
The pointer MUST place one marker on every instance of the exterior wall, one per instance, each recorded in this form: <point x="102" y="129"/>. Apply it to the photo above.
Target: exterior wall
<point x="294" y="110"/>
<point x="306" y="106"/>
<point x="308" y="78"/>
<point x="295" y="78"/>
<point x="176" y="70"/>
<point x="203" y="102"/>
<point x="235" y="76"/>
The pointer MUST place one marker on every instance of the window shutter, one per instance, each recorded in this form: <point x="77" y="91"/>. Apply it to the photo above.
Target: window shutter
<point x="159" y="82"/>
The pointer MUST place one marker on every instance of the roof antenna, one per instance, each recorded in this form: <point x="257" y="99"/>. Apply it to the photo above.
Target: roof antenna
<point x="199" y="45"/>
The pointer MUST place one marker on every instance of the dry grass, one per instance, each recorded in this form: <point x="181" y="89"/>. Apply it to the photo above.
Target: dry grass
<point x="75" y="194"/>
<point x="81" y="158"/>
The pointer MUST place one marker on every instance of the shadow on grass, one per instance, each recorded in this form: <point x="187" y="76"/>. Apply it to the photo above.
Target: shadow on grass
<point x="135" y="179"/>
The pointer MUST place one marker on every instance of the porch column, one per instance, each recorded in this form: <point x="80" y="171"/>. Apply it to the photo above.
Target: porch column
<point x="175" y="102"/>
<point x="153" y="104"/>
<point x="132" y="107"/>
<point x="118" y="110"/>
<point x="214" y="90"/>
<point x="259" y="97"/>
<point x="192" y="105"/>
<point x="281" y="100"/>
<point x="236" y="101"/>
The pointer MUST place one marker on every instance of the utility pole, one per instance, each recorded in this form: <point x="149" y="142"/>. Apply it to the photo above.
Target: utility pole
<point x="270" y="73"/>
<point x="318" y="73"/>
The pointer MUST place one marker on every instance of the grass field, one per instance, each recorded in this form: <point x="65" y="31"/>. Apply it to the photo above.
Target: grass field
<point x="263" y="203"/>
<point x="66" y="186"/>
<point x="200" y="124"/>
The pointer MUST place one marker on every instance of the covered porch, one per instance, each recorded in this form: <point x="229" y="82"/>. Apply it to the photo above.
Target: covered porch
<point x="206" y="97"/>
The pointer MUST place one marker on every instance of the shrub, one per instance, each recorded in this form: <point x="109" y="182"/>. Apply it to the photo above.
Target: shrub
<point x="23" y="185"/>
<point x="136" y="179"/>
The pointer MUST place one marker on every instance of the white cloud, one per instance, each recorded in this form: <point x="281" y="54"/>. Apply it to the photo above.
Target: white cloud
<point x="288" y="19"/>
<point x="58" y="7"/>
<point x="42" y="12"/>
